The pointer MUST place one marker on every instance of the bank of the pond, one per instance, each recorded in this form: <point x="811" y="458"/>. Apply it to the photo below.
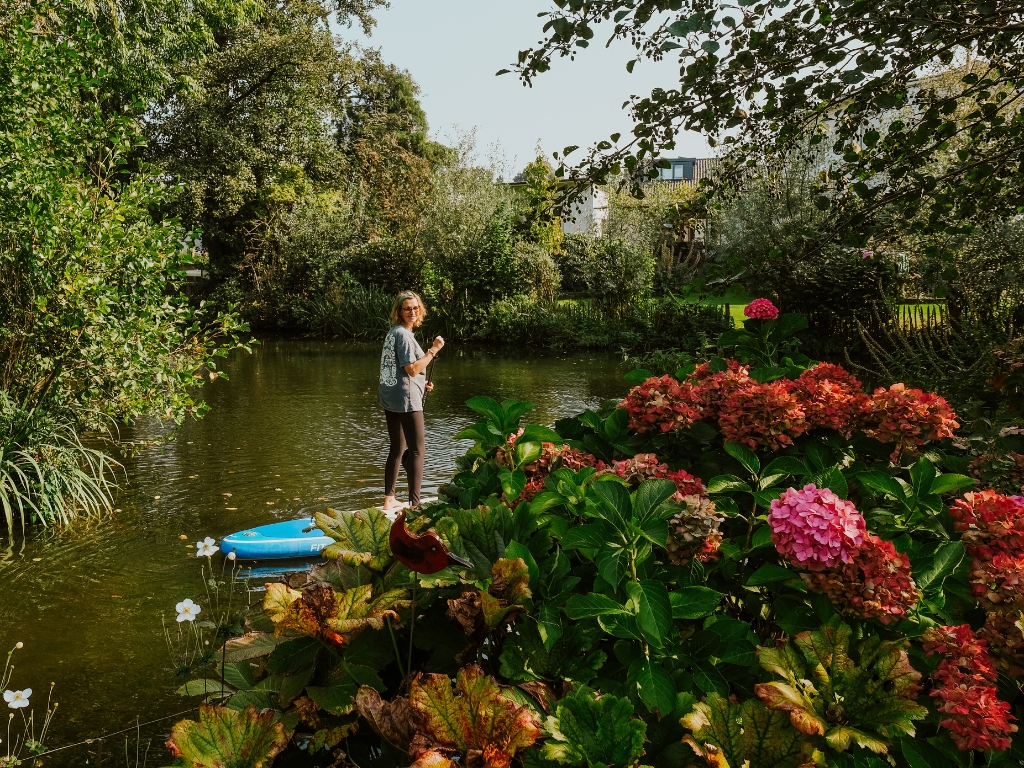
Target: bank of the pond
<point x="295" y="430"/>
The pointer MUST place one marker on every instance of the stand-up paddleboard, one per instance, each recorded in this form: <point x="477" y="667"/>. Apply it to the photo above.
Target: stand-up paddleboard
<point x="282" y="540"/>
<point x="277" y="540"/>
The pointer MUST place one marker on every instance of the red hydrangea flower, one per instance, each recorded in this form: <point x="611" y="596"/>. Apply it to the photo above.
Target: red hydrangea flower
<point x="876" y="584"/>
<point x="662" y="404"/>
<point x="815" y="529"/>
<point x="762" y="415"/>
<point x="645" y="466"/>
<point x="831" y="398"/>
<point x="909" y="417"/>
<point x="761" y="309"/>
<point x="964" y="684"/>
<point x="715" y="388"/>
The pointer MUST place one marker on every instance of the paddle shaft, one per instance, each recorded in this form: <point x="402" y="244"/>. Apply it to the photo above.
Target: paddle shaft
<point x="430" y="376"/>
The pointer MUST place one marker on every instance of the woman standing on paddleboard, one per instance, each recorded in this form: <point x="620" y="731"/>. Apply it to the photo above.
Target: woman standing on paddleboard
<point x="402" y="386"/>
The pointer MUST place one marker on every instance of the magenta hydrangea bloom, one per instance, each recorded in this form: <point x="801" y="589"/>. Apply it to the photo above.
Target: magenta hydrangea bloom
<point x="815" y="529"/>
<point x="761" y="309"/>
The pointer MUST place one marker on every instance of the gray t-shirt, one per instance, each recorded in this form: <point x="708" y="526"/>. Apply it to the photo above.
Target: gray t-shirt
<point x="399" y="392"/>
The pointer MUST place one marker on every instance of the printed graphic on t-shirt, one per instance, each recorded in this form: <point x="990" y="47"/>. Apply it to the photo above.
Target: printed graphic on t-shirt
<point x="388" y="367"/>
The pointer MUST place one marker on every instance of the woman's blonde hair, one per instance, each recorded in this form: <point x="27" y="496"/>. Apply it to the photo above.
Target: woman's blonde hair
<point x="396" y="308"/>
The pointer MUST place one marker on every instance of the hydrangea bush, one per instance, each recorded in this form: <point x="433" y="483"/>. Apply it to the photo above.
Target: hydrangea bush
<point x="723" y="568"/>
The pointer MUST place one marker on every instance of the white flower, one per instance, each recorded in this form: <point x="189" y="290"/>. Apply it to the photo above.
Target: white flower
<point x="231" y="555"/>
<point x="187" y="610"/>
<point x="207" y="547"/>
<point x="17" y="699"/>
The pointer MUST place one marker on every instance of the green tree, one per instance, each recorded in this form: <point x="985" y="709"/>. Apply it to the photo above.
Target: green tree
<point x="761" y="78"/>
<point x="536" y="217"/>
<point x="93" y="327"/>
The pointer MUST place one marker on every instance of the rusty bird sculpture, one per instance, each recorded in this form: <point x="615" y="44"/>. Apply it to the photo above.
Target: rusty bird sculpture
<point x="423" y="553"/>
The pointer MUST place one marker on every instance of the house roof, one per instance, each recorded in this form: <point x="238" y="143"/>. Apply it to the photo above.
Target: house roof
<point x="702" y="169"/>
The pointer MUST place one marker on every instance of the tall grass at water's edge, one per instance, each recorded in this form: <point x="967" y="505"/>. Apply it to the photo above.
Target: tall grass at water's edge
<point x="50" y="477"/>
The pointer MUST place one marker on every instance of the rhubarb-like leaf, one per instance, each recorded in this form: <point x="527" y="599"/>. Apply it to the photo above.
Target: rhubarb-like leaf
<point x="524" y="657"/>
<point x="226" y="738"/>
<point x="865" y="701"/>
<point x="394" y="721"/>
<point x="509" y="590"/>
<point x="361" y="538"/>
<point x="334" y="617"/>
<point x="734" y="735"/>
<point x="251" y="645"/>
<point x="588" y="731"/>
<point x="475" y="720"/>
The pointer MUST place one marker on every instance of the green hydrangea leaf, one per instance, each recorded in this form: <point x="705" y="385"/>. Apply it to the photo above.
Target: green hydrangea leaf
<point x="226" y="737"/>
<point x="593" y="732"/>
<point x="524" y="657"/>
<point x="867" y="698"/>
<point x="742" y="734"/>
<point x="361" y="538"/>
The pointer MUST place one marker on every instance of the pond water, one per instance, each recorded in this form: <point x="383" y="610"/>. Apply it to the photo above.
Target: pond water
<point x="295" y="430"/>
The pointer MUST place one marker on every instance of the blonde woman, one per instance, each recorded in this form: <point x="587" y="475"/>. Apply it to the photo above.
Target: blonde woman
<point x="402" y="384"/>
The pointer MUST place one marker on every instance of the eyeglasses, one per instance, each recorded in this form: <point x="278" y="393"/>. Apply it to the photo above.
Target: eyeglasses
<point x="410" y="309"/>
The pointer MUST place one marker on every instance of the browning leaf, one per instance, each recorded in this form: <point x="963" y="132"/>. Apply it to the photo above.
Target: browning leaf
<point x="729" y="734"/>
<point x="395" y="721"/>
<point x="226" y="737"/>
<point x="467" y="611"/>
<point x="361" y="538"/>
<point x="507" y="594"/>
<point x="867" y="702"/>
<point x="475" y="719"/>
<point x="335" y="617"/>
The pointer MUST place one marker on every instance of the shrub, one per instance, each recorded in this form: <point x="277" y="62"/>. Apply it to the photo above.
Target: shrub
<point x="575" y="262"/>
<point x="620" y="275"/>
<point x="655" y="590"/>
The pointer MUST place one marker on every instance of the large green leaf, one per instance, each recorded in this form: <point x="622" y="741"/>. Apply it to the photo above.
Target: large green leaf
<point x="227" y="738"/>
<point x="652" y="607"/>
<point x="653" y="684"/>
<point x="573" y="656"/>
<point x="883" y="483"/>
<point x="361" y="538"/>
<point x="745" y="734"/>
<point x="590" y="732"/>
<point x="694" y="602"/>
<point x="932" y="571"/>
<point x="868" y="701"/>
<point x="590" y="606"/>
<point x="650" y="496"/>
<point x="744" y="456"/>
<point x="250" y="646"/>
<point x="489" y="408"/>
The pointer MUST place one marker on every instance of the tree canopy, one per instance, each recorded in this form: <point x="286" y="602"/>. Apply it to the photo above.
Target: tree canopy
<point x="761" y="78"/>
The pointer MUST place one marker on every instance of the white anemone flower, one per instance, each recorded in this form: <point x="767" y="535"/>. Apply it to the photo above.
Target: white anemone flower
<point x="17" y="699"/>
<point x="207" y="547"/>
<point x="187" y="610"/>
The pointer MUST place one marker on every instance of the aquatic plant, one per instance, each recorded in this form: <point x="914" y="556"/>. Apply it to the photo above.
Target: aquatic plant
<point x="23" y="739"/>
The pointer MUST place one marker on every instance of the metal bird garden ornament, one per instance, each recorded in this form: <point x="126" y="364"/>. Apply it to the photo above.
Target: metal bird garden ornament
<point x="423" y="553"/>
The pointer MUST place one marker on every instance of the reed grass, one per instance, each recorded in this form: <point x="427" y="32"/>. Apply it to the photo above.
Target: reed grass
<point x="47" y="475"/>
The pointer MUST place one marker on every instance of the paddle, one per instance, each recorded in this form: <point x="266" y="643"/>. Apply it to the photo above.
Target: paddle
<point x="430" y="376"/>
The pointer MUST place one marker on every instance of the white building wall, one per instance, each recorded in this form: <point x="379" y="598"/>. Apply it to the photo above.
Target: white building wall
<point x="588" y="213"/>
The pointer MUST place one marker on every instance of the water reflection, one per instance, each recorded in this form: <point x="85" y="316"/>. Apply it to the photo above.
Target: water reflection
<point x="295" y="430"/>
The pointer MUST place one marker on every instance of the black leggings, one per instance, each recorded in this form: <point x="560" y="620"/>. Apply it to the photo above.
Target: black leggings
<point x="405" y="429"/>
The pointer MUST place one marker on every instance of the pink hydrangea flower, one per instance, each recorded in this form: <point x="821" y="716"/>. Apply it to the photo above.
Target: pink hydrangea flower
<point x="761" y="309"/>
<point x="815" y="529"/>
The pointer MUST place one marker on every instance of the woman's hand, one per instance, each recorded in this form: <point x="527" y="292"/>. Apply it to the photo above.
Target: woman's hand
<point x="429" y="386"/>
<point x="437" y="345"/>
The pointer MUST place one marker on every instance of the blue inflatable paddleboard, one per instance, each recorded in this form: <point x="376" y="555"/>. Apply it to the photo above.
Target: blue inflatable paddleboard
<point x="277" y="540"/>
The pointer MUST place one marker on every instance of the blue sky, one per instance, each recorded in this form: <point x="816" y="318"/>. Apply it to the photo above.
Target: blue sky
<point x="454" y="47"/>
